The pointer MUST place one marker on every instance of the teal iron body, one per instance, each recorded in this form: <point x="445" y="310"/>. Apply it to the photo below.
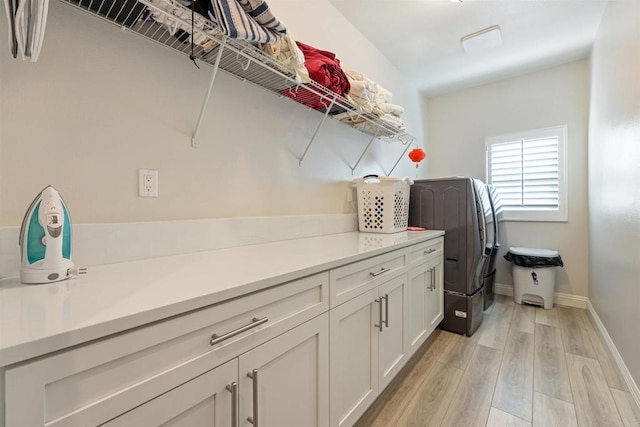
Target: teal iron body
<point x="45" y="240"/>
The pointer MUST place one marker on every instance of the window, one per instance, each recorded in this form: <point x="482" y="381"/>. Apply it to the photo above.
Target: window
<point x="528" y="170"/>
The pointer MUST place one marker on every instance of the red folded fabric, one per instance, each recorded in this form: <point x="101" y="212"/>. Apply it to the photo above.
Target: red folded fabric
<point x="308" y="98"/>
<point x="325" y="69"/>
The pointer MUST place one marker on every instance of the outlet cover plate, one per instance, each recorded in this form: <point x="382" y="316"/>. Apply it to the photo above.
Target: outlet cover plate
<point x="147" y="183"/>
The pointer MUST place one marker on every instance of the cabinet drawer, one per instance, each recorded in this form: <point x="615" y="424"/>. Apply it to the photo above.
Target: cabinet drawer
<point x="354" y="279"/>
<point x="424" y="251"/>
<point x="94" y="383"/>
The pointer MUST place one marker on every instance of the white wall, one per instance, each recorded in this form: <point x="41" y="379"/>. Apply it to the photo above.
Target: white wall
<point x="458" y="123"/>
<point x="614" y="177"/>
<point x="101" y="103"/>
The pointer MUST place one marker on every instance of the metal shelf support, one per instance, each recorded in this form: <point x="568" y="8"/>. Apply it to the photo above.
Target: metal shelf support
<point x="364" y="152"/>
<point x="313" y="137"/>
<point x="400" y="158"/>
<point x="205" y="102"/>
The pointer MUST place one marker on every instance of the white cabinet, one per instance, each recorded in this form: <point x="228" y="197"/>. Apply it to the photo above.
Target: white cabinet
<point x="288" y="387"/>
<point x="435" y="294"/>
<point x="425" y="308"/>
<point x="392" y="343"/>
<point x="207" y="400"/>
<point x="312" y="352"/>
<point x="419" y="290"/>
<point x="368" y="348"/>
<point x="285" y="382"/>
<point x="99" y="381"/>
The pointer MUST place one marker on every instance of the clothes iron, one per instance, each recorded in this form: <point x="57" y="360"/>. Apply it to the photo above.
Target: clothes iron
<point x="45" y="240"/>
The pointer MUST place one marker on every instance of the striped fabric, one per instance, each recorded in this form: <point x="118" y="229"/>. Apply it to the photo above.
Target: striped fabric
<point x="249" y="20"/>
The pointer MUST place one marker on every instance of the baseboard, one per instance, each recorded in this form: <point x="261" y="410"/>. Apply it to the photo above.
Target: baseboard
<point x="567" y="300"/>
<point x="624" y="371"/>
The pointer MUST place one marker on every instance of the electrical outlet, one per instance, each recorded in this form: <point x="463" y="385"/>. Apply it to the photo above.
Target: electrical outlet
<point x="147" y="183"/>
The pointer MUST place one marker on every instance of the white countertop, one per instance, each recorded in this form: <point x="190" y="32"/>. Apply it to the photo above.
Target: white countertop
<point x="39" y="319"/>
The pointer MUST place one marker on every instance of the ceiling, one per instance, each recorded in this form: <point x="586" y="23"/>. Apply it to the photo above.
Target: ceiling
<point x="422" y="37"/>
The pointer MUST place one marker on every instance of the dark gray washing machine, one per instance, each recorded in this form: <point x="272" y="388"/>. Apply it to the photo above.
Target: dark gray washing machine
<point x="455" y="205"/>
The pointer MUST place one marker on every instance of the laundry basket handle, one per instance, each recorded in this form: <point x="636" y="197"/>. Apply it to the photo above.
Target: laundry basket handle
<point x="376" y="178"/>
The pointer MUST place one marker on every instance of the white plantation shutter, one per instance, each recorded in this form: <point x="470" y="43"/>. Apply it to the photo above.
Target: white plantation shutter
<point x="527" y="170"/>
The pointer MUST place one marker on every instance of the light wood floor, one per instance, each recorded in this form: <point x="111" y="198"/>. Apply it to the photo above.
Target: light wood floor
<point x="525" y="366"/>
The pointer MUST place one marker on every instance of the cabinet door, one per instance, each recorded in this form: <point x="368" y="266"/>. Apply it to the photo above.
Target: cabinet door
<point x="203" y="401"/>
<point x="418" y="283"/>
<point x="392" y="343"/>
<point x="285" y="382"/>
<point x="435" y="296"/>
<point x="354" y="357"/>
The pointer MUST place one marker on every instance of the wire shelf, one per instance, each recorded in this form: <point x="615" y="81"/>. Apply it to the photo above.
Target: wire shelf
<point x="238" y="58"/>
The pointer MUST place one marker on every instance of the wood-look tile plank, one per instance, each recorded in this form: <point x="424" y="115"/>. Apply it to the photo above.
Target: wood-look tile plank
<point x="625" y="405"/>
<point x="473" y="395"/>
<point x="547" y="317"/>
<point x="488" y="311"/>
<point x="550" y="367"/>
<point x="609" y="367"/>
<point x="514" y="389"/>
<point x="459" y="353"/>
<point x="524" y="318"/>
<point x="504" y="299"/>
<point x="428" y="407"/>
<point x="390" y="405"/>
<point x="548" y="412"/>
<point x="591" y="396"/>
<point x="494" y="334"/>
<point x="397" y="406"/>
<point x="574" y="333"/>
<point x="498" y="418"/>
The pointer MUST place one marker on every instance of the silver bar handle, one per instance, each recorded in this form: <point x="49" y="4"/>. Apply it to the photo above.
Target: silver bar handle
<point x="386" y="310"/>
<point x="379" y="301"/>
<point x="430" y="251"/>
<point x="217" y="339"/>
<point x="382" y="271"/>
<point x="254" y="376"/>
<point x="233" y="388"/>
<point x="433" y="278"/>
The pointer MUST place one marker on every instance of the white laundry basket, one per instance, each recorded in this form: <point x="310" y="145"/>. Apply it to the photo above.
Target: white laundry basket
<point x="383" y="203"/>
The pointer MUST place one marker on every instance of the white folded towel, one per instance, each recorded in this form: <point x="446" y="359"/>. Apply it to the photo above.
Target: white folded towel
<point x="287" y="52"/>
<point x="367" y="89"/>
<point x="389" y="108"/>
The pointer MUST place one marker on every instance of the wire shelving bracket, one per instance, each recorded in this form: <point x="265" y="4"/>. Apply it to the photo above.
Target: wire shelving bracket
<point x="313" y="137"/>
<point x="408" y="143"/>
<point x="353" y="169"/>
<point x="205" y="102"/>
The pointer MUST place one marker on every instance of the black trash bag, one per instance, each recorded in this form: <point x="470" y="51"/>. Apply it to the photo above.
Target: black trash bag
<point x="533" y="261"/>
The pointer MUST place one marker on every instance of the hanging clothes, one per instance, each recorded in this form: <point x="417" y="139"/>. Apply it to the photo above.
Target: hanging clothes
<point x="27" y="20"/>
